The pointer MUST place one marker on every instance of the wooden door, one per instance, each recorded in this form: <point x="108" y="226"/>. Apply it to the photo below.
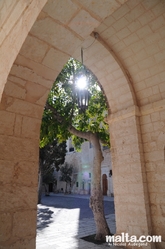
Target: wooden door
<point x="104" y="184"/>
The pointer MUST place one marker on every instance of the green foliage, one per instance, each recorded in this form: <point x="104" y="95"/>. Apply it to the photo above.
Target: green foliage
<point x="66" y="172"/>
<point x="51" y="157"/>
<point x="65" y="112"/>
<point x="48" y="178"/>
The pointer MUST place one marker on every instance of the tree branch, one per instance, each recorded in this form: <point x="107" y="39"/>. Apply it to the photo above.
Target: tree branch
<point x="82" y="134"/>
<point x="55" y="113"/>
<point x="90" y="136"/>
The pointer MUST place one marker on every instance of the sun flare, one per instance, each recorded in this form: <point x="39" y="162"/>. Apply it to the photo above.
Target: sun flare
<point x="81" y="82"/>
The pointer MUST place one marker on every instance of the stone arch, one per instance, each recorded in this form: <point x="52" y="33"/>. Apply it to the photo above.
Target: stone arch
<point x="133" y="84"/>
<point x="14" y="22"/>
<point x="108" y="62"/>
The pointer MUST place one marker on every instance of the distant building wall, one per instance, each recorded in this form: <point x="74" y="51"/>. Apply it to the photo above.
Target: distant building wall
<point x="82" y="163"/>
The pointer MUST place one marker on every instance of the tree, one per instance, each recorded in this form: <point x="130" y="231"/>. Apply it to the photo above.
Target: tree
<point x="63" y="118"/>
<point x="66" y="173"/>
<point x="51" y="156"/>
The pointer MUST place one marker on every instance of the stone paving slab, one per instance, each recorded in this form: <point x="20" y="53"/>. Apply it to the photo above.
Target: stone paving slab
<point x="61" y="229"/>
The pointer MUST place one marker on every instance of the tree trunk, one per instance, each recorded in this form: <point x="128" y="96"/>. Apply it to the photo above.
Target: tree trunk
<point x="96" y="199"/>
<point x="66" y="188"/>
<point x="96" y="204"/>
<point x="46" y="189"/>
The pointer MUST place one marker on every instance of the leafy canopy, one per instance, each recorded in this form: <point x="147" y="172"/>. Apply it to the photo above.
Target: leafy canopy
<point x="66" y="172"/>
<point x="62" y="98"/>
<point x="51" y="157"/>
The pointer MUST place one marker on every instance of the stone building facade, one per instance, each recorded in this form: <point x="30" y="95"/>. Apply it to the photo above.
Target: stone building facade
<point x="127" y="56"/>
<point x="82" y="163"/>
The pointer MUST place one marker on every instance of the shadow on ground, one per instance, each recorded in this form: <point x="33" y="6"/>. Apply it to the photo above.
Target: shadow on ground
<point x="44" y="218"/>
<point x="71" y="203"/>
<point x="68" y="222"/>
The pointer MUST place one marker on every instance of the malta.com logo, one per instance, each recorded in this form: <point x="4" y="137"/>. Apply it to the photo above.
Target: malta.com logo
<point x="126" y="240"/>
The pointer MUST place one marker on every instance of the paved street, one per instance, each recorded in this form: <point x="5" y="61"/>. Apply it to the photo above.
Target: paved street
<point x="64" y="219"/>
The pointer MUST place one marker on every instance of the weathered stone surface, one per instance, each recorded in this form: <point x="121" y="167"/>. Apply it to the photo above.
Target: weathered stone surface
<point x="23" y="172"/>
<point x="18" y="197"/>
<point x="61" y="10"/>
<point x="55" y="34"/>
<point x="15" y="91"/>
<point x="34" y="92"/>
<point x="27" y="243"/>
<point x="6" y="229"/>
<point x="8" y="23"/>
<point x="41" y="101"/>
<point x="18" y="125"/>
<point x="37" y="69"/>
<point x="22" y="107"/>
<point x="134" y="181"/>
<point x="12" y="147"/>
<point x="34" y="49"/>
<point x="6" y="172"/>
<point x="101" y="10"/>
<point x="14" y="36"/>
<point x="19" y="173"/>
<point x="7" y="120"/>
<point x="30" y="127"/>
<point x="83" y="23"/>
<point x="55" y="59"/>
<point x="28" y="74"/>
<point x="24" y="223"/>
<point x="17" y="80"/>
<point x="128" y="60"/>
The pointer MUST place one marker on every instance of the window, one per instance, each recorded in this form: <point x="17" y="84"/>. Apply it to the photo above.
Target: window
<point x="71" y="149"/>
<point x="110" y="173"/>
<point x="89" y="175"/>
<point x="77" y="184"/>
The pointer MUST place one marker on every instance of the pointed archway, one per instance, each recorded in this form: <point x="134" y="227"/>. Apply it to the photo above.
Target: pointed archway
<point x="129" y="63"/>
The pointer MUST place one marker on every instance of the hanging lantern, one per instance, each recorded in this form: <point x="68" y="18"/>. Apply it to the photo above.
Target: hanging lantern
<point x="82" y="99"/>
<point x="82" y="93"/>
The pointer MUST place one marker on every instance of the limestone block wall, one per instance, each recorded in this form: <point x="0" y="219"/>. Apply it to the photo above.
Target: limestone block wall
<point x="153" y="135"/>
<point x="14" y="29"/>
<point x="128" y="59"/>
<point x="128" y="165"/>
<point x="20" y="119"/>
<point x="21" y="111"/>
<point x="134" y="35"/>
